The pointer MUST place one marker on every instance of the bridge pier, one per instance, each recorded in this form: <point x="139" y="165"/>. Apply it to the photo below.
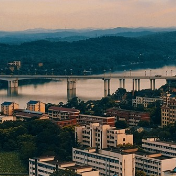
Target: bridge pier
<point x="152" y="84"/>
<point x="12" y="91"/>
<point x="109" y="88"/>
<point x="71" y="88"/>
<point x="13" y="83"/>
<point x="106" y="87"/>
<point x="135" y="84"/>
<point x="124" y="83"/>
<point x="120" y="83"/>
<point x="139" y="85"/>
<point x="133" y="88"/>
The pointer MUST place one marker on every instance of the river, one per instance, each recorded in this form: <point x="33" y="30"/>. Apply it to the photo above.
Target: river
<point x="55" y="92"/>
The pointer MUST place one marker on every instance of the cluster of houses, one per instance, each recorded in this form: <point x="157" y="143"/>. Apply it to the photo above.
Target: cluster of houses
<point x="103" y="149"/>
<point x="107" y="151"/>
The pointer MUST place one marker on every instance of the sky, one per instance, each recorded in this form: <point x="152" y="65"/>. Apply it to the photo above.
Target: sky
<point x="18" y="15"/>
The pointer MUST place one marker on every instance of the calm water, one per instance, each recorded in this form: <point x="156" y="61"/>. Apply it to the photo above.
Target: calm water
<point x="55" y="92"/>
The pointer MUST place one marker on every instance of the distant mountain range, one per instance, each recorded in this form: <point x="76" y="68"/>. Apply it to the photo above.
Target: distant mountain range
<point x="70" y="35"/>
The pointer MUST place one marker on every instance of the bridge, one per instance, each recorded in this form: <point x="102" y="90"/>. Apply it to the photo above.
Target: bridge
<point x="71" y="81"/>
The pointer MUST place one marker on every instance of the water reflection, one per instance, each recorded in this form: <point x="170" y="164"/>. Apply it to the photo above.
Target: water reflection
<point x="55" y="92"/>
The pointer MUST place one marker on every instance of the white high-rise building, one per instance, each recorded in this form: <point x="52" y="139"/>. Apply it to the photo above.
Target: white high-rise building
<point x="102" y="136"/>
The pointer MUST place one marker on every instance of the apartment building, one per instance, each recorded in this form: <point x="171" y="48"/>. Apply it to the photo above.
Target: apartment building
<point x="33" y="105"/>
<point x="145" y="101"/>
<point x="47" y="165"/>
<point x="101" y="136"/>
<point x="25" y="115"/>
<point x="14" y="65"/>
<point x="109" y="162"/>
<point x="132" y="118"/>
<point x="168" y="112"/>
<point x="7" y="108"/>
<point x="82" y="118"/>
<point x="60" y="113"/>
<point x="153" y="163"/>
<point x="155" y="145"/>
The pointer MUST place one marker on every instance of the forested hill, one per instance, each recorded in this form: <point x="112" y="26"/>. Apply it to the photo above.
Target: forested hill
<point x="96" y="53"/>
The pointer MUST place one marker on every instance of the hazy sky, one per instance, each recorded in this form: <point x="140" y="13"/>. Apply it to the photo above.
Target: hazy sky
<point x="57" y="14"/>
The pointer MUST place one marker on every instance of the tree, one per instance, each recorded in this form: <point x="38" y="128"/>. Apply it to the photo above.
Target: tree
<point x="65" y="172"/>
<point x="121" y="124"/>
<point x="140" y="173"/>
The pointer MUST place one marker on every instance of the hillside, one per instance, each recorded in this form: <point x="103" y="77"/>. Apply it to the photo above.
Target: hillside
<point x="96" y="53"/>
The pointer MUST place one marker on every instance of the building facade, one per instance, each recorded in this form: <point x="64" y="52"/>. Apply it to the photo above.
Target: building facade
<point x="102" y="136"/>
<point x="168" y="111"/>
<point x="145" y="101"/>
<point x="36" y="106"/>
<point x="47" y="165"/>
<point x="155" y="145"/>
<point x="153" y="163"/>
<point x="25" y="115"/>
<point x="7" y="108"/>
<point x="60" y="113"/>
<point x="109" y="162"/>
<point x="132" y="118"/>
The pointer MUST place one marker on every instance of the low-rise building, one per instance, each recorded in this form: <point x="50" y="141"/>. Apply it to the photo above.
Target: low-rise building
<point x="33" y="105"/>
<point x="45" y="166"/>
<point x="168" y="112"/>
<point x="132" y="118"/>
<point x="82" y="118"/>
<point x="153" y="163"/>
<point x="63" y="116"/>
<point x="145" y="101"/>
<point x="7" y="108"/>
<point x="7" y="118"/>
<point x="25" y="115"/>
<point x="102" y="136"/>
<point x="156" y="145"/>
<point x="108" y="161"/>
<point x="60" y="113"/>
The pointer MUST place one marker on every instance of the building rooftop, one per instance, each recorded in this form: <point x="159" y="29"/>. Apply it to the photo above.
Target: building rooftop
<point x="63" y="109"/>
<point x="125" y="110"/>
<point x="6" y="103"/>
<point x="158" y="140"/>
<point x="54" y="162"/>
<point x="91" y="116"/>
<point x="32" y="102"/>
<point x="152" y="155"/>
<point x="32" y="112"/>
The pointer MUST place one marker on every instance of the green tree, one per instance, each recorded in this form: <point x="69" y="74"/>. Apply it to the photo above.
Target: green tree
<point x="65" y="172"/>
<point x="140" y="173"/>
<point x="121" y="124"/>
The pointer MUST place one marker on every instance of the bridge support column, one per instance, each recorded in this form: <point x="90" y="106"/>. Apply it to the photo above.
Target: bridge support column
<point x="71" y="88"/>
<point x="12" y="91"/>
<point x="153" y="84"/>
<point x="139" y="85"/>
<point x="133" y="88"/>
<point x="105" y="87"/>
<point x="135" y="84"/>
<point x="109" y="88"/>
<point x="120" y="83"/>
<point x="124" y="83"/>
<point x="13" y="83"/>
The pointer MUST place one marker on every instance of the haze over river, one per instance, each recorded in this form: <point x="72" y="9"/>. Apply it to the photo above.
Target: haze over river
<point x="92" y="89"/>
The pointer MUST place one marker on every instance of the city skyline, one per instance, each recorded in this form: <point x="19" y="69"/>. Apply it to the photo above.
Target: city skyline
<point x="16" y="15"/>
